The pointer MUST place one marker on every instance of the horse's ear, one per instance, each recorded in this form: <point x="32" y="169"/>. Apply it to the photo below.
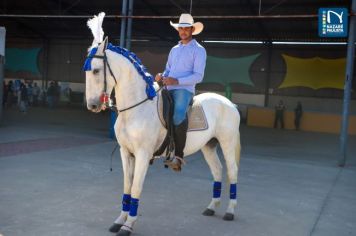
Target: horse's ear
<point x="106" y="42"/>
<point x="103" y="45"/>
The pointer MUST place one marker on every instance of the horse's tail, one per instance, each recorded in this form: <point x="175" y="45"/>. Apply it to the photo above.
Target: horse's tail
<point x="237" y="157"/>
<point x="238" y="149"/>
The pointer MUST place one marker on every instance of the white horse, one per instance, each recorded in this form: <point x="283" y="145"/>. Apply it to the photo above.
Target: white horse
<point x="140" y="133"/>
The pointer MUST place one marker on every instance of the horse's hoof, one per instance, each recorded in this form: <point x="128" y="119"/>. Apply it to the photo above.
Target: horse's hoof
<point x="228" y="217"/>
<point x="208" y="212"/>
<point x="123" y="232"/>
<point x="115" y="228"/>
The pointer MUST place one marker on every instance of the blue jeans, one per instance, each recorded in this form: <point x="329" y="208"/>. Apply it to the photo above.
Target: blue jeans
<point x="181" y="99"/>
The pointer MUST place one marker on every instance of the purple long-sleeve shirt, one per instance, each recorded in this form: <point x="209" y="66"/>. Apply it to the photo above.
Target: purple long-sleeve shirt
<point x="186" y="63"/>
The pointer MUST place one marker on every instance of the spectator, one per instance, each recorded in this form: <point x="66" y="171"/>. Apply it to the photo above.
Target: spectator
<point x="57" y="93"/>
<point x="35" y="93"/>
<point x="18" y="92"/>
<point x="51" y="93"/>
<point x="4" y="95"/>
<point x="43" y="97"/>
<point x="10" y="94"/>
<point x="23" y="98"/>
<point x="279" y="116"/>
<point x="298" y="111"/>
<point x="30" y="94"/>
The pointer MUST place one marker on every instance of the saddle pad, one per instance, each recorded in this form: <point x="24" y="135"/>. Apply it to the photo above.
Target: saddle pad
<point x="196" y="118"/>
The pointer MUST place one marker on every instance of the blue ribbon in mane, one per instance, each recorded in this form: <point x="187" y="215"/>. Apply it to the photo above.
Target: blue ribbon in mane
<point x="141" y="69"/>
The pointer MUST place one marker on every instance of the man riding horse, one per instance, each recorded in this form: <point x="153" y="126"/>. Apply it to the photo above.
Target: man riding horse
<point x="184" y="69"/>
<point x="110" y="67"/>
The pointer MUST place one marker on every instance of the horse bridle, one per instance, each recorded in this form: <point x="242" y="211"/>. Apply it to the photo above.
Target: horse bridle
<point x="104" y="98"/>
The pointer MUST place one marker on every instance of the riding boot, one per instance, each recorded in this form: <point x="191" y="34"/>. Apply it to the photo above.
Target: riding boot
<point x="180" y="136"/>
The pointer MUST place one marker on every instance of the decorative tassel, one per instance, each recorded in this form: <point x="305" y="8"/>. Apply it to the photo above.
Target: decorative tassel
<point x="87" y="63"/>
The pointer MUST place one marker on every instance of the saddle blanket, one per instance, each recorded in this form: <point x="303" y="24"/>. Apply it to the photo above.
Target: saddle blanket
<point x="196" y="118"/>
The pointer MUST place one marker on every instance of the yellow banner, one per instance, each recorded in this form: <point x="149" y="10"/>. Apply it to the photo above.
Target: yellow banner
<point x="314" y="72"/>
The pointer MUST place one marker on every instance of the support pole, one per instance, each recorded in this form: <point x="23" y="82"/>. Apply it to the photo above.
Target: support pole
<point x="46" y="45"/>
<point x="2" y="65"/>
<point x="129" y="25"/>
<point x="268" y="73"/>
<point x="123" y="23"/>
<point x="228" y="91"/>
<point x="2" y="60"/>
<point x="348" y="85"/>
<point x="113" y="115"/>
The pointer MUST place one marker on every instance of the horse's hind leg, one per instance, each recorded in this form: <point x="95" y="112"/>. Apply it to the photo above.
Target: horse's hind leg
<point x="211" y="157"/>
<point x="231" y="148"/>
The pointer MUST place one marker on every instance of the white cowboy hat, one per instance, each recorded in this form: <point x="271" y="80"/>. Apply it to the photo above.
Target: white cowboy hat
<point x="186" y="20"/>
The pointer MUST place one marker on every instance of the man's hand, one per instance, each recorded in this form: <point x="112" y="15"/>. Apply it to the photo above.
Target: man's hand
<point x="158" y="77"/>
<point x="170" y="81"/>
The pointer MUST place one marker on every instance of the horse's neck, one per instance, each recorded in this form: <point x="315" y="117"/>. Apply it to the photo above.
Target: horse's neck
<point x="130" y="87"/>
<point x="130" y="91"/>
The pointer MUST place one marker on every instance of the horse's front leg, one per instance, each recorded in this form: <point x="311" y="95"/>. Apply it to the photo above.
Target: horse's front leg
<point x="128" y="164"/>
<point x="141" y="165"/>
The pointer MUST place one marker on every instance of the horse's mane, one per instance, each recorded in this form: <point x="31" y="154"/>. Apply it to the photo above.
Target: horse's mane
<point x="95" y="25"/>
<point x="141" y="69"/>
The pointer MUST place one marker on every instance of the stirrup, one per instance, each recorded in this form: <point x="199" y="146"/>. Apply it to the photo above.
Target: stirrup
<point x="175" y="163"/>
<point x="182" y="161"/>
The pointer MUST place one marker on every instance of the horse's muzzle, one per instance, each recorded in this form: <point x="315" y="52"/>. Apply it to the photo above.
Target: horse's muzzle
<point x="94" y="108"/>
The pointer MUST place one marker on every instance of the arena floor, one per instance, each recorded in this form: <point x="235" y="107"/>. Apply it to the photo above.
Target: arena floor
<point x="55" y="180"/>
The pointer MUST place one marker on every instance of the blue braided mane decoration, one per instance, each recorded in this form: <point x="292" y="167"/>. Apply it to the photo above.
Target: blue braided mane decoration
<point x="141" y="69"/>
<point x="87" y="63"/>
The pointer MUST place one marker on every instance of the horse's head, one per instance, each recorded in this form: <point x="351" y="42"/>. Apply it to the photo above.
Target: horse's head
<point x="98" y="78"/>
<point x="98" y="75"/>
<point x="102" y="75"/>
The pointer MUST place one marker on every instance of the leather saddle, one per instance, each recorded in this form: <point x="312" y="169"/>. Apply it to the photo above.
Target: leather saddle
<point x="196" y="120"/>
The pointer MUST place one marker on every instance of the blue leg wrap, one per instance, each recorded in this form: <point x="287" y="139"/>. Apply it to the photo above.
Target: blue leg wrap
<point x="126" y="199"/>
<point x="233" y="191"/>
<point x="134" y="206"/>
<point x="217" y="190"/>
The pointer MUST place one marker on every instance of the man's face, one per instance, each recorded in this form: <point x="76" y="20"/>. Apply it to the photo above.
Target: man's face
<point x="185" y="32"/>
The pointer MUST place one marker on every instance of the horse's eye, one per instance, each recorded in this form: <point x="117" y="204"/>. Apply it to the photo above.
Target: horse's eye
<point x="95" y="71"/>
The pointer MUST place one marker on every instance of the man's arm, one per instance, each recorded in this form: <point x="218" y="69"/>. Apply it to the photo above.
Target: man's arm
<point x="198" y="69"/>
<point x="168" y="65"/>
